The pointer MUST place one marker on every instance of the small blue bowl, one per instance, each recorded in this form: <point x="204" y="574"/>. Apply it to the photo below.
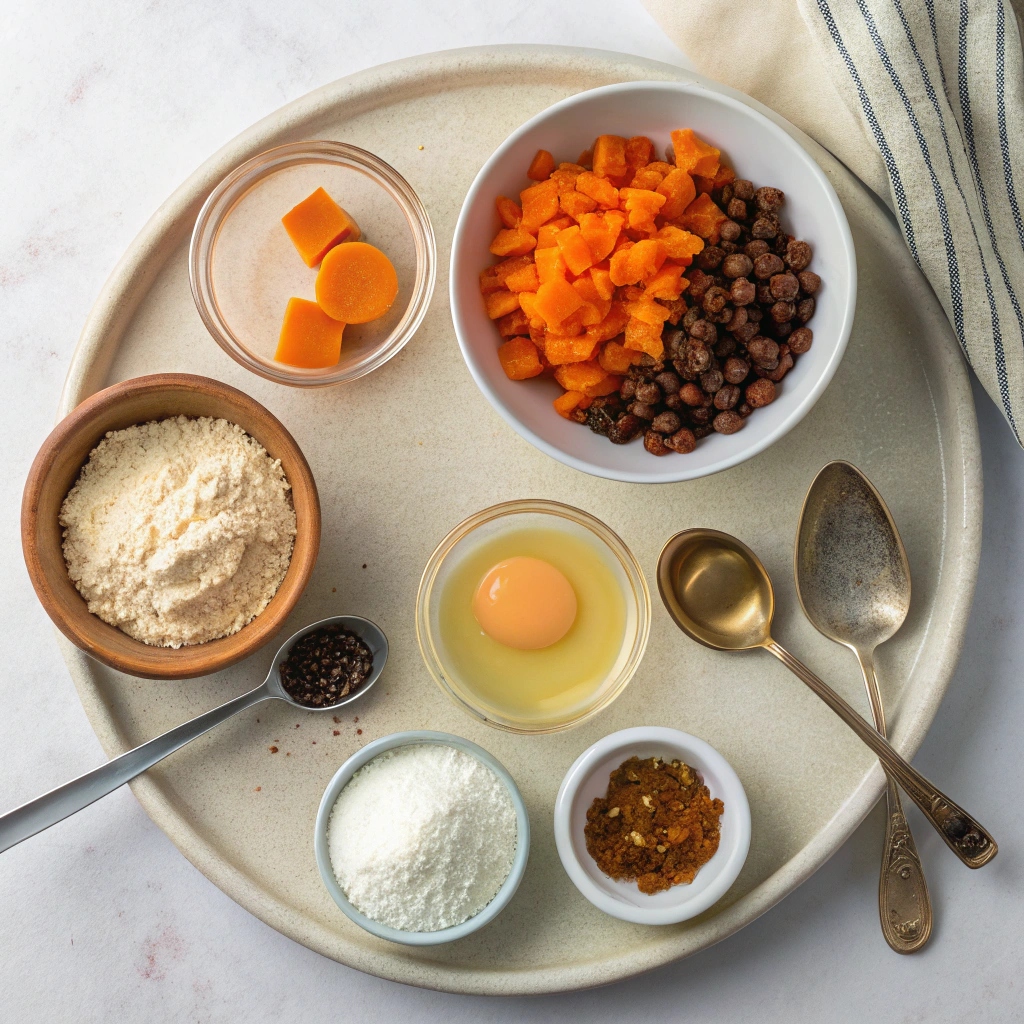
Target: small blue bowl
<point x="323" y="857"/>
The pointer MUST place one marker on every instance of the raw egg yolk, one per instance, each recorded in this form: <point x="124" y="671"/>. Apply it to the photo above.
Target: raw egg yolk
<point x="525" y="603"/>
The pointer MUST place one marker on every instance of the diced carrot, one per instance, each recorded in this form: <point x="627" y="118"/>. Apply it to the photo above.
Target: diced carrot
<point x="667" y="283"/>
<point x="639" y="150"/>
<point x="541" y="165"/>
<point x="500" y="303"/>
<point x="602" y="281"/>
<point x="611" y="326"/>
<point x="528" y="304"/>
<point x="601" y="190"/>
<point x="540" y="204"/>
<point x="570" y="327"/>
<point x="575" y="251"/>
<point x="630" y="266"/>
<point x="356" y="283"/>
<point x="309" y="337"/>
<point x="586" y="159"/>
<point x="561" y="349"/>
<point x="516" y="322"/>
<point x="550" y="265"/>
<point x="642" y="206"/>
<point x="647" y="177"/>
<point x="724" y="176"/>
<point x="509" y="211"/>
<point x="567" y="401"/>
<point x="525" y="280"/>
<point x="678" y="189"/>
<point x="556" y="300"/>
<point x="519" y="359"/>
<point x="679" y="244"/>
<point x="610" y="383"/>
<point x="644" y="337"/>
<point x="575" y="204"/>
<point x="580" y="376"/>
<point x="601" y="231"/>
<point x="513" y="242"/>
<point x="317" y="225"/>
<point x="649" y="311"/>
<point x="546" y="235"/>
<point x="566" y="176"/>
<point x="703" y="218"/>
<point x="610" y="156"/>
<point x="694" y="154"/>
<point x="616" y="358"/>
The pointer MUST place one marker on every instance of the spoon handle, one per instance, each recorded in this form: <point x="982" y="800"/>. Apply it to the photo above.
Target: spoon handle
<point x="960" y="832"/>
<point x="59" y="803"/>
<point x="904" y="904"/>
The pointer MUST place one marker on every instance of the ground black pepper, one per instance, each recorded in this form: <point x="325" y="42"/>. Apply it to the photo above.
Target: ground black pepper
<point x="325" y="666"/>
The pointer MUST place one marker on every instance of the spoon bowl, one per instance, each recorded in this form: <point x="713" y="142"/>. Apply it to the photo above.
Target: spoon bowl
<point x="853" y="578"/>
<point x="716" y="590"/>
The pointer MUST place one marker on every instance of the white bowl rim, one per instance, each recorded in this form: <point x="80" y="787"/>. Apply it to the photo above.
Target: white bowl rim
<point x="340" y="780"/>
<point x="686" y="746"/>
<point x="799" y="411"/>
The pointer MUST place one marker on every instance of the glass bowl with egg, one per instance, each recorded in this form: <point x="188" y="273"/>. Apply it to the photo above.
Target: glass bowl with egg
<point x="244" y="268"/>
<point x="532" y="616"/>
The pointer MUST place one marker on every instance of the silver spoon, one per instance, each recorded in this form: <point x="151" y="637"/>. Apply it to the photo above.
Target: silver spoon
<point x="853" y="581"/>
<point x="719" y="594"/>
<point x="65" y="800"/>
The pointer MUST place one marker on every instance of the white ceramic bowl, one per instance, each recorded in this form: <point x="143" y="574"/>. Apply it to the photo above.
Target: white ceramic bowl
<point x="341" y="779"/>
<point x="756" y="148"/>
<point x="587" y="779"/>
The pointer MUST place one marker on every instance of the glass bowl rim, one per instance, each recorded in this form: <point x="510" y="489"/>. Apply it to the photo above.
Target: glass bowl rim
<point x="230" y="191"/>
<point x="631" y="567"/>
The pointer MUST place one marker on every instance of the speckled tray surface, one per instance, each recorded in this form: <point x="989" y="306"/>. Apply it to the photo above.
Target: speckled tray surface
<point x="404" y="454"/>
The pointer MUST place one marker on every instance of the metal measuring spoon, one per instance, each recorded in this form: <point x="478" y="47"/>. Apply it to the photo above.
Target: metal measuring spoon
<point x="853" y="582"/>
<point x="719" y="594"/>
<point x="65" y="800"/>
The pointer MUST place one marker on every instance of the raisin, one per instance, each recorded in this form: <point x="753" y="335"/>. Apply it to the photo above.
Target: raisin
<point x="655" y="443"/>
<point x="783" y="311"/>
<point x="666" y="423"/>
<point x="780" y="371"/>
<point x="767" y="265"/>
<point x="800" y="340"/>
<point x="668" y="382"/>
<point x="627" y="390"/>
<point x="809" y="281"/>
<point x="784" y="286"/>
<point x="728" y="422"/>
<point x="704" y="332"/>
<point x="758" y="247"/>
<point x="742" y="291"/>
<point x="727" y="396"/>
<point x="743" y="189"/>
<point x="763" y="351"/>
<point x="768" y="199"/>
<point x="760" y="393"/>
<point x="730" y="231"/>
<point x="699" y="282"/>
<point x="682" y="441"/>
<point x="805" y="309"/>
<point x="648" y="393"/>
<point x="737" y="265"/>
<point x="625" y="429"/>
<point x="736" y="370"/>
<point x="725" y="346"/>
<point x="712" y="380"/>
<point x="764" y="227"/>
<point x="710" y="258"/>
<point x="743" y="409"/>
<point x="782" y="330"/>
<point x="674" y="402"/>
<point x="737" y="209"/>
<point x="715" y="299"/>
<point x="642" y="410"/>
<point x="798" y="255"/>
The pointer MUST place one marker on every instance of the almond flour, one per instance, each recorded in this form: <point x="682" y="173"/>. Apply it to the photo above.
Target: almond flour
<point x="178" y="531"/>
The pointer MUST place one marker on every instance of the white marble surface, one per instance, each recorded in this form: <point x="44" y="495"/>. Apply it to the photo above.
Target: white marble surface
<point x="107" y="107"/>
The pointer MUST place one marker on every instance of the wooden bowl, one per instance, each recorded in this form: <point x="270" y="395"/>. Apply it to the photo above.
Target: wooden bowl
<point x="56" y="469"/>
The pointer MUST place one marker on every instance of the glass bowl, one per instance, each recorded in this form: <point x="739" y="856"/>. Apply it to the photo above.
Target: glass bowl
<point x="243" y="267"/>
<point x="515" y="515"/>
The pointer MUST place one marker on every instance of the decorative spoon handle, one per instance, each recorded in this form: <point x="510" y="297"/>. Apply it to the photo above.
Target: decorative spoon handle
<point x="904" y="904"/>
<point x="59" y="803"/>
<point x="960" y="832"/>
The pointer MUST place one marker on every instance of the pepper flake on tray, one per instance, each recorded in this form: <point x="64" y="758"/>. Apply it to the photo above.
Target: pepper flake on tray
<point x="656" y="825"/>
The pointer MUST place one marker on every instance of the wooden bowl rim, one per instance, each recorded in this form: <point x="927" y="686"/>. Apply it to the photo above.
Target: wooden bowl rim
<point x="198" y="659"/>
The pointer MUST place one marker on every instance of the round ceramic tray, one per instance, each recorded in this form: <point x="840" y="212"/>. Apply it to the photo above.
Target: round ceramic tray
<point x="402" y="455"/>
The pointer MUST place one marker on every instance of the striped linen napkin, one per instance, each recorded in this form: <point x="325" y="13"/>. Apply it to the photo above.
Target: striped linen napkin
<point x="924" y="100"/>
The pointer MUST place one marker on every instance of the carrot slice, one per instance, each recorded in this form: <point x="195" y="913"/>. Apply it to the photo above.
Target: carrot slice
<point x="356" y="283"/>
<point x="318" y="224"/>
<point x="309" y="337"/>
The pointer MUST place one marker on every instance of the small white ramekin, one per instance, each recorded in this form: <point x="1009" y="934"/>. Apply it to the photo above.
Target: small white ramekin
<point x="587" y="779"/>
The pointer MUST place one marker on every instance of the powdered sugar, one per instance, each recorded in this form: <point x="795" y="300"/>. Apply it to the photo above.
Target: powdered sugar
<point x="422" y="837"/>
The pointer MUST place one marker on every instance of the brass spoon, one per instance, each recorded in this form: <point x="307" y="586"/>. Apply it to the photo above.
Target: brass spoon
<point x="853" y="582"/>
<point x="719" y="594"/>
